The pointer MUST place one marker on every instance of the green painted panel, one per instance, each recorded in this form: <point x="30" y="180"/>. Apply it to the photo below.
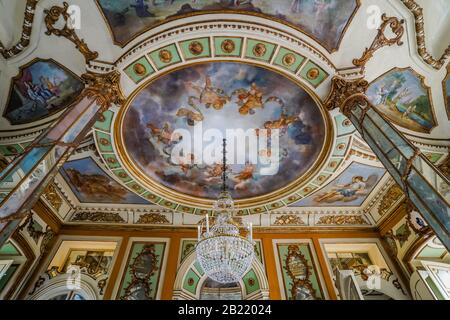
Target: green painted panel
<point x="292" y="198"/>
<point x="276" y="205"/>
<point x="429" y="252"/>
<point x="251" y="282"/>
<point x="135" y="187"/>
<point x="111" y="160"/>
<point x="167" y="204"/>
<point x="203" y="212"/>
<point x="8" y="275"/>
<point x="259" y="50"/>
<point x="303" y="278"/>
<point x="186" y="209"/>
<point x="141" y="278"/>
<point x="187" y="247"/>
<point x="289" y="60"/>
<point x="228" y="46"/>
<point x="307" y="190"/>
<point x="151" y="197"/>
<point x="199" y="268"/>
<point x="341" y="146"/>
<point x="313" y="74"/>
<point x="322" y="178"/>
<point x="104" y="142"/>
<point x="343" y="125"/>
<point x="433" y="157"/>
<point x="9" y="249"/>
<point x="258" y="210"/>
<point x="105" y="122"/>
<point x="242" y="212"/>
<point x="139" y="70"/>
<point x="258" y="251"/>
<point x="11" y="150"/>
<point x="165" y="56"/>
<point x="334" y="164"/>
<point x="191" y="282"/>
<point x="195" y="48"/>
<point x="122" y="175"/>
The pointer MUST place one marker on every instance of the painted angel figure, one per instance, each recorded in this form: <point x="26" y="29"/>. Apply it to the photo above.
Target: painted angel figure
<point x="282" y="123"/>
<point x="164" y="135"/>
<point x="191" y="116"/>
<point x="209" y="95"/>
<point x="249" y="100"/>
<point x="214" y="172"/>
<point x="244" y="177"/>
<point x="348" y="192"/>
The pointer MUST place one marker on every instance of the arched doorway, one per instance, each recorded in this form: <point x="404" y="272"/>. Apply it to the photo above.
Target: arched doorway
<point x="192" y="284"/>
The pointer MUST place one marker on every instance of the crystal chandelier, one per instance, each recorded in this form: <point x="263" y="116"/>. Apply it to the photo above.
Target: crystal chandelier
<point x="224" y="254"/>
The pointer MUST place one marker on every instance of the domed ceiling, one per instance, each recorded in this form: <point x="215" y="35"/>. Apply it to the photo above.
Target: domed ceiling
<point x="323" y="19"/>
<point x="209" y="101"/>
<point x="253" y="65"/>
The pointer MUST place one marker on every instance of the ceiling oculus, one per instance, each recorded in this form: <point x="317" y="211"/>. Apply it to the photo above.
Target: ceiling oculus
<point x="172" y="131"/>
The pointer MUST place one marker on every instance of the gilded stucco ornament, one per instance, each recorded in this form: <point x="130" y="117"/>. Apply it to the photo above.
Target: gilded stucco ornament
<point x="394" y="194"/>
<point x="97" y="217"/>
<point x="343" y="89"/>
<point x="381" y="40"/>
<point x="288" y="219"/>
<point x="27" y="27"/>
<point x="104" y="88"/>
<point x="52" y="196"/>
<point x="153" y="218"/>
<point x="51" y="19"/>
<point x="342" y="220"/>
<point x="417" y="11"/>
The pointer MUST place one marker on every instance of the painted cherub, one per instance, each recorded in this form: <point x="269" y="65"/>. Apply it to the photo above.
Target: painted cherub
<point x="347" y="192"/>
<point x="185" y="163"/>
<point x="282" y="123"/>
<point x="214" y="172"/>
<point x="249" y="100"/>
<point x="243" y="177"/>
<point x="191" y="116"/>
<point x="164" y="135"/>
<point x="209" y="96"/>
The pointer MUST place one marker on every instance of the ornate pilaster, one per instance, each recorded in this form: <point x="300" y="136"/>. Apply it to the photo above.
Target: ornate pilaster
<point x="342" y="90"/>
<point x="104" y="89"/>
<point x="422" y="183"/>
<point x="52" y="149"/>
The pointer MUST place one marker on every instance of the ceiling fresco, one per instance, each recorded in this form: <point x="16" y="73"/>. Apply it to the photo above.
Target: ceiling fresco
<point x="350" y="188"/>
<point x="91" y="184"/>
<point x="401" y="95"/>
<point x="324" y="20"/>
<point x="42" y="88"/>
<point x="203" y="95"/>
<point x="446" y="88"/>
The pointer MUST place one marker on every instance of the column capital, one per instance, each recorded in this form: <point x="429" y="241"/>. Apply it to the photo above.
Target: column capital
<point x="104" y="88"/>
<point x="342" y="90"/>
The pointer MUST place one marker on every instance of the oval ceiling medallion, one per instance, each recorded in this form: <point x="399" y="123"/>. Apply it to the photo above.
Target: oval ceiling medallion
<point x="169" y="129"/>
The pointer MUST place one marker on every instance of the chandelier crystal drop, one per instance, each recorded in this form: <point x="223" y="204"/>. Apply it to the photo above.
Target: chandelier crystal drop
<point x="225" y="249"/>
